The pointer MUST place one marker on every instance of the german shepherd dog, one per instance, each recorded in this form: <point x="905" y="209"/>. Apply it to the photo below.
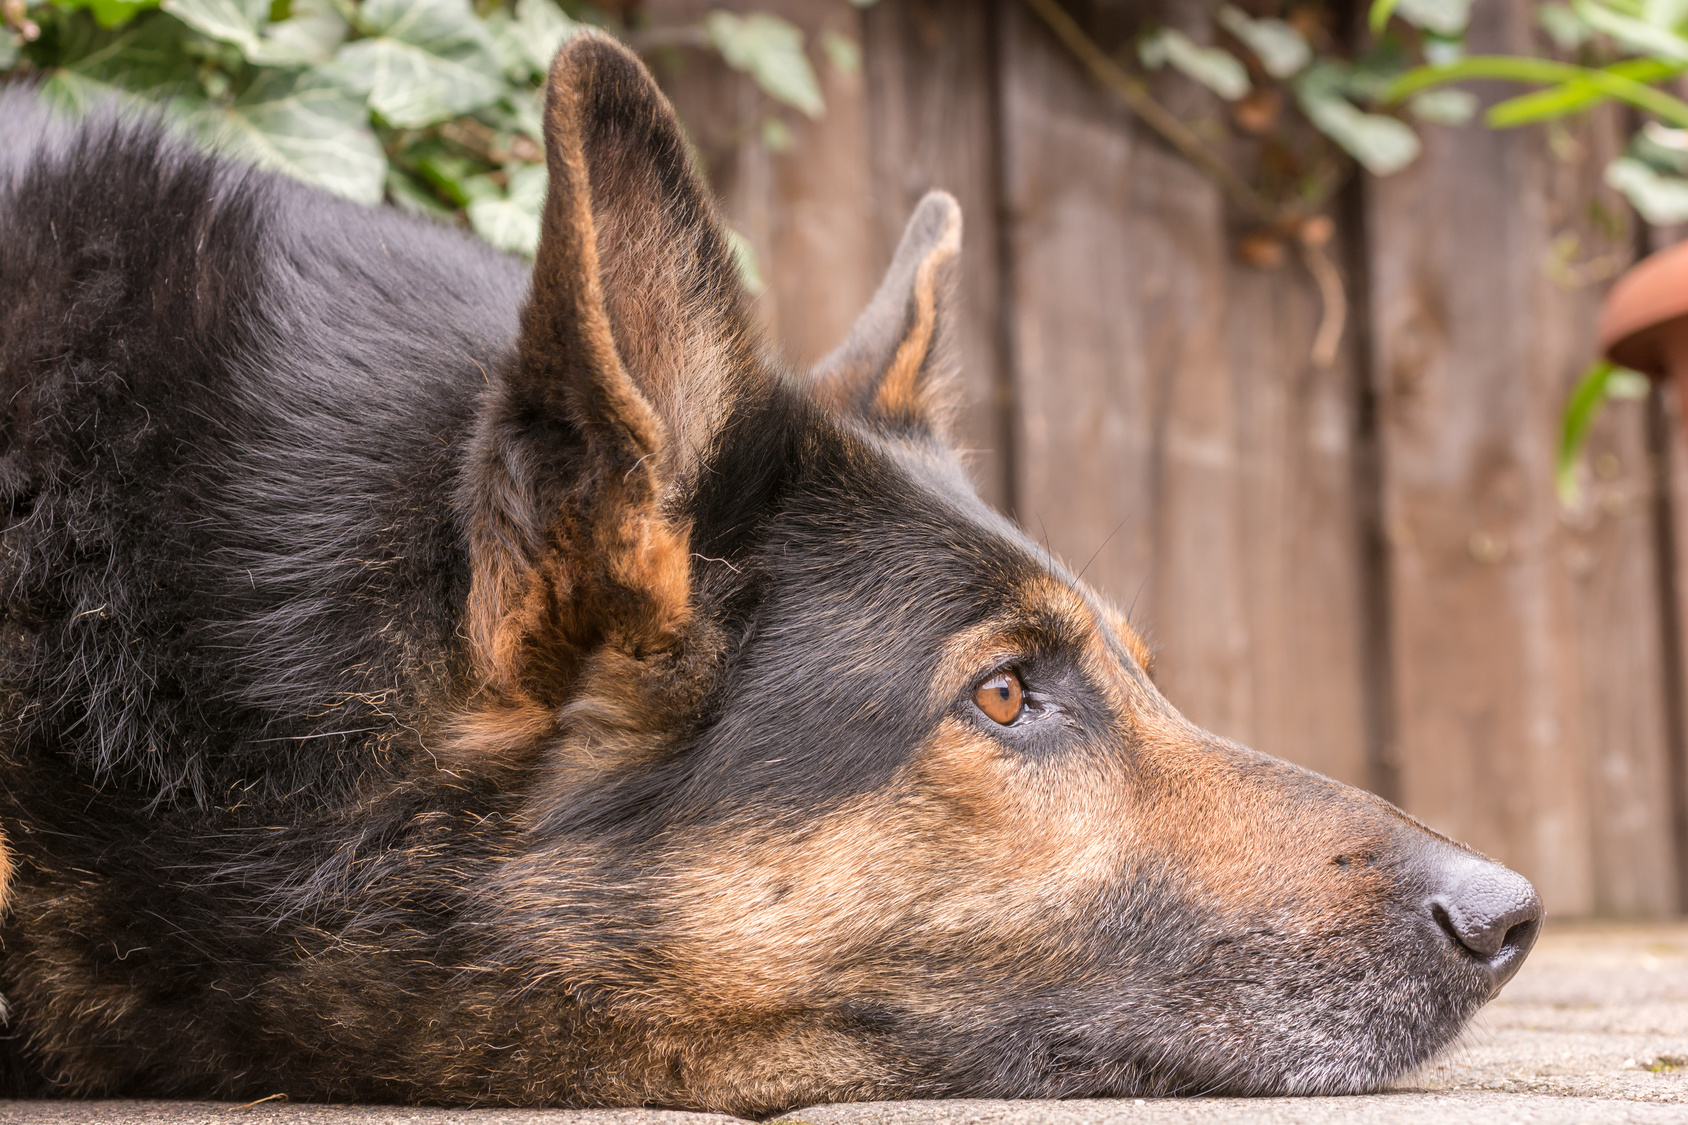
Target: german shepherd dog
<point x="427" y="680"/>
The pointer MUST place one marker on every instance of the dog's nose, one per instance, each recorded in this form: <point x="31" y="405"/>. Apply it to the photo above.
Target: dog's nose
<point x="1491" y="912"/>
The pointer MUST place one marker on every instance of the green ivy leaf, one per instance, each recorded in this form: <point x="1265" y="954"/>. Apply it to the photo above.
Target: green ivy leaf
<point x="1660" y="198"/>
<point x="1216" y="69"/>
<point x="142" y="58"/>
<point x="1378" y="18"/>
<point x="1444" y="107"/>
<point x="507" y="46"/>
<point x="1602" y="380"/>
<point x="239" y="23"/>
<point x="1563" y="26"/>
<point x="770" y="50"/>
<point x="1442" y="52"/>
<point x="110" y="14"/>
<point x="1543" y="105"/>
<point x="313" y="30"/>
<point x="1381" y="144"/>
<point x="543" y="28"/>
<point x="1614" y="81"/>
<point x="1664" y="13"/>
<point x="510" y="219"/>
<point x="1661" y="148"/>
<point x="524" y="112"/>
<point x="305" y="125"/>
<point x="1639" y="35"/>
<point x="1444" y="17"/>
<point x="73" y="93"/>
<point x="776" y="135"/>
<point x="227" y="21"/>
<point x="844" y="53"/>
<point x="1573" y="97"/>
<point x="428" y="61"/>
<point x="1281" y="49"/>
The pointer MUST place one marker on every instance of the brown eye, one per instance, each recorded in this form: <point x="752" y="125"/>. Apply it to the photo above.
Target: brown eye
<point x="1001" y="697"/>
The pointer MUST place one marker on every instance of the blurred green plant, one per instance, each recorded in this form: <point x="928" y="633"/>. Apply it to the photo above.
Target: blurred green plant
<point x="1603" y="380"/>
<point x="1621" y="51"/>
<point x="1366" y="100"/>
<point x="1305" y="105"/>
<point x="432" y="105"/>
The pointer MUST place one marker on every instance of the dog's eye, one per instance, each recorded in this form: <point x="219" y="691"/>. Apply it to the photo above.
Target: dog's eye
<point x="1001" y="697"/>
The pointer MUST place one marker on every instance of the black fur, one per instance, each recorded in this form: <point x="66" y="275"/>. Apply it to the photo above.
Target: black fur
<point x="251" y="855"/>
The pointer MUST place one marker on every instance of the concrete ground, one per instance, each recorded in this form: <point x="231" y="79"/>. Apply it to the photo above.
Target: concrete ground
<point x="1594" y="1029"/>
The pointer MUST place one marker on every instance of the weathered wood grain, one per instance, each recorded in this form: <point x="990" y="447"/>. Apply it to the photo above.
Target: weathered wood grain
<point x="1397" y="598"/>
<point x="1667" y="430"/>
<point x="932" y="123"/>
<point x="808" y="210"/>
<point x="1526" y="649"/>
<point x="1165" y="398"/>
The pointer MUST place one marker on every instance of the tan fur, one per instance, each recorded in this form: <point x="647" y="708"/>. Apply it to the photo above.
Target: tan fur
<point x="895" y="365"/>
<point x="902" y="391"/>
<point x="1133" y="640"/>
<point x="5" y="873"/>
<point x="975" y="847"/>
<point x="619" y="335"/>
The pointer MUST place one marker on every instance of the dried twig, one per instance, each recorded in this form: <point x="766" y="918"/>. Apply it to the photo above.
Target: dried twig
<point x="1312" y="232"/>
<point x="488" y="144"/>
<point x="1314" y="236"/>
<point x="1156" y="116"/>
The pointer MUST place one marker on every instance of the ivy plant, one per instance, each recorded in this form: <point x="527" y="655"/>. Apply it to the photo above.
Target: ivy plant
<point x="1298" y="90"/>
<point x="431" y="105"/>
<point x="1629" y="52"/>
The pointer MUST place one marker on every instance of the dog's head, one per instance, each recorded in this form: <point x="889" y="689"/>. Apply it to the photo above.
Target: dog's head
<point x="837" y="785"/>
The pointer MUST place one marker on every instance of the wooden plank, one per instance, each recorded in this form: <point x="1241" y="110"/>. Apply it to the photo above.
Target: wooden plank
<point x="825" y="214"/>
<point x="807" y="210"/>
<point x="1529" y="691"/>
<point x="1666" y="443"/>
<point x="1302" y="546"/>
<point x="1165" y="398"/>
<point x="931" y="124"/>
<point x="1610" y="554"/>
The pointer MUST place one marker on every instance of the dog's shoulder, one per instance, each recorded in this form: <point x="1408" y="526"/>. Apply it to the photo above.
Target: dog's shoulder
<point x="112" y="224"/>
<point x="228" y="409"/>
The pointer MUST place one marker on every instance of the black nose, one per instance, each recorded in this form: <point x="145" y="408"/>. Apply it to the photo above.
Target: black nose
<point x="1492" y="913"/>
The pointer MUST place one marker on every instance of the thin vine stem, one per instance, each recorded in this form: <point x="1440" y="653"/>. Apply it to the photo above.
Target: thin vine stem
<point x="1157" y="117"/>
<point x="1311" y="232"/>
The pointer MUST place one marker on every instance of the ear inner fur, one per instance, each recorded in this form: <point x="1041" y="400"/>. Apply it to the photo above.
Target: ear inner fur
<point x="893" y="366"/>
<point x="570" y="548"/>
<point x="903" y="393"/>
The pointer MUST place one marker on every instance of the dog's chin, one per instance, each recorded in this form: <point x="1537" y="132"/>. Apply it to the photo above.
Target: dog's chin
<point x="1329" y="1058"/>
<point x="1339" y="1043"/>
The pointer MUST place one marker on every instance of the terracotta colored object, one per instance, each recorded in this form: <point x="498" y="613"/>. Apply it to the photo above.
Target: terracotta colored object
<point x="1644" y="322"/>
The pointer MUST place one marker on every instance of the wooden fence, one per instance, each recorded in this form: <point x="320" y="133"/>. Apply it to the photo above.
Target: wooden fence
<point x="1362" y="567"/>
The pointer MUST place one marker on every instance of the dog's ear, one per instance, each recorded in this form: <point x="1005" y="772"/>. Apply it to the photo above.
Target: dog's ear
<point x="896" y="366"/>
<point x="635" y="341"/>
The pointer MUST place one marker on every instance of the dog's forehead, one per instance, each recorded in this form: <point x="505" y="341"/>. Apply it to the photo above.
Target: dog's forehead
<point x="909" y="539"/>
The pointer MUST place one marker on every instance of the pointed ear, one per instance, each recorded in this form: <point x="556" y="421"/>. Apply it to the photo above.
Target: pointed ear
<point x="632" y="260"/>
<point x="635" y="342"/>
<point x="897" y="364"/>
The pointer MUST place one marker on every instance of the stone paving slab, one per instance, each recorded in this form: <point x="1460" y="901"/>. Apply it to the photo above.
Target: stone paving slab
<point x="1594" y="1029"/>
